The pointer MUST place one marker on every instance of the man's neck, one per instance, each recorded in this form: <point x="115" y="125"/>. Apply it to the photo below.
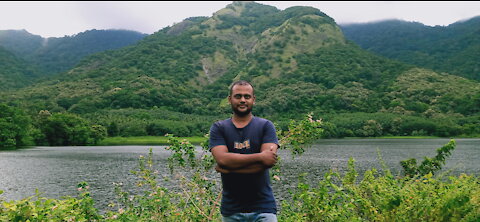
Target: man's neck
<point x="241" y="121"/>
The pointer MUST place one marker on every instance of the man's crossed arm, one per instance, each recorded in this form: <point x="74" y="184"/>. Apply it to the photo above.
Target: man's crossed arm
<point x="245" y="163"/>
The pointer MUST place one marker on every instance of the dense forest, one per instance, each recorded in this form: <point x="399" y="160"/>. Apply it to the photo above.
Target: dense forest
<point x="14" y="72"/>
<point x="454" y="49"/>
<point x="53" y="55"/>
<point x="176" y="81"/>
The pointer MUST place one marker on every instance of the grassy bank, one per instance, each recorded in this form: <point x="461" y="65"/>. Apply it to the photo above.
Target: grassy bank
<point x="425" y="137"/>
<point x="408" y="137"/>
<point x="396" y="137"/>
<point x="162" y="140"/>
<point x="144" y="140"/>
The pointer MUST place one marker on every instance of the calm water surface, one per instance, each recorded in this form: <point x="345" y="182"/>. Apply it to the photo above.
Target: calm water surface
<point x="56" y="171"/>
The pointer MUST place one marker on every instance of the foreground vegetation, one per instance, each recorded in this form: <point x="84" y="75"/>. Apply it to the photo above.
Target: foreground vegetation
<point x="420" y="195"/>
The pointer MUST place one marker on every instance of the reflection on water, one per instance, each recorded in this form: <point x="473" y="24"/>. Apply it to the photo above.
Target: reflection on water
<point x="56" y="171"/>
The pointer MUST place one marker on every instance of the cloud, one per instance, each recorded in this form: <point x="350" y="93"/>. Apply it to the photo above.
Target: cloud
<point x="68" y="18"/>
<point x="426" y="12"/>
<point x="146" y="17"/>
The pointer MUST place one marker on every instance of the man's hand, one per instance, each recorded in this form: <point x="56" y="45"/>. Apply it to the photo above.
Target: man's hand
<point x="269" y="157"/>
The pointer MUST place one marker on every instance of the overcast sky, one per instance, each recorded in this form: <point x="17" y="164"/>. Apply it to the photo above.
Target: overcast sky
<point x="57" y="19"/>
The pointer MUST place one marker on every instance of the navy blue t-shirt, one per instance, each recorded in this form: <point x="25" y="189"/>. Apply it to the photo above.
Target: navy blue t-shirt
<point x="245" y="192"/>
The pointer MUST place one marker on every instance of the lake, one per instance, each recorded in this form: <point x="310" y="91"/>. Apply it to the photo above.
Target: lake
<point x="56" y="171"/>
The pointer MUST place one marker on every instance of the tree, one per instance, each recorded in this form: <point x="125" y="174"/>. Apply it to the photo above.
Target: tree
<point x="97" y="133"/>
<point x="14" y="126"/>
<point x="65" y="129"/>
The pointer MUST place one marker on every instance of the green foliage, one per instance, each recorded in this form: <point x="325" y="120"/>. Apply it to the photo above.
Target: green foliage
<point x="54" y="55"/>
<point x="383" y="198"/>
<point x="357" y="65"/>
<point x="387" y="124"/>
<point x="428" y="165"/>
<point x="424" y="91"/>
<point x="14" y="72"/>
<point x="14" y="127"/>
<point x="453" y="49"/>
<point x="97" y="133"/>
<point x="196" y="200"/>
<point x="65" y="129"/>
<point x="256" y="18"/>
<point x="145" y="140"/>
<point x="182" y="152"/>
<point x="38" y="208"/>
<point x="301" y="134"/>
<point x="151" y="122"/>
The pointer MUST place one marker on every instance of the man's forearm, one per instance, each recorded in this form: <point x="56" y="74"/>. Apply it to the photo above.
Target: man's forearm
<point x="254" y="168"/>
<point x="233" y="161"/>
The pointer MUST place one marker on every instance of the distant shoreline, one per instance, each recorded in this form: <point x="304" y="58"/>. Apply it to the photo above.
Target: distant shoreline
<point x="196" y="140"/>
<point x="162" y="140"/>
<point x="145" y="140"/>
<point x="413" y="137"/>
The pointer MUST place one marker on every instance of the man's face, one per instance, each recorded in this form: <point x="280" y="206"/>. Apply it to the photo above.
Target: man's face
<point x="242" y="99"/>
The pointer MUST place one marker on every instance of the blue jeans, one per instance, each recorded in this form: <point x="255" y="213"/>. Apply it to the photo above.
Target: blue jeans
<point x="251" y="217"/>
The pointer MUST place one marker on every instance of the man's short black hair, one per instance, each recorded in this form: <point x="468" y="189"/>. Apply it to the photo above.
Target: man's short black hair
<point x="241" y="83"/>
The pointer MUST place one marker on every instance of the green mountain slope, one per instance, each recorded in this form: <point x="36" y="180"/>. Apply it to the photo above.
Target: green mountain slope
<point x="54" y="55"/>
<point x="14" y="72"/>
<point x="297" y="58"/>
<point x="454" y="49"/>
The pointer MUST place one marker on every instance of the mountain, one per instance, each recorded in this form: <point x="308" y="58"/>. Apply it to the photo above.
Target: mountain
<point x="14" y="72"/>
<point x="176" y="80"/>
<point x="454" y="49"/>
<point x="54" y="55"/>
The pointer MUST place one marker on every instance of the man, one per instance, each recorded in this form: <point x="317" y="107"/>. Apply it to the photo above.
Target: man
<point x="245" y="147"/>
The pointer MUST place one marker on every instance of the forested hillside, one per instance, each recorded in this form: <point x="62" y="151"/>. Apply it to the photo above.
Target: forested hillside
<point x="54" y="55"/>
<point x="14" y="72"/>
<point x="454" y="49"/>
<point x="176" y="80"/>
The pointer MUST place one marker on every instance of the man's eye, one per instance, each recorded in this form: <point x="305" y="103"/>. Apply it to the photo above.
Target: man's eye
<point x="239" y="96"/>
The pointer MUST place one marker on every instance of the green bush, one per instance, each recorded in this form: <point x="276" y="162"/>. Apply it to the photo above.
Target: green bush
<point x="37" y="208"/>
<point x="384" y="198"/>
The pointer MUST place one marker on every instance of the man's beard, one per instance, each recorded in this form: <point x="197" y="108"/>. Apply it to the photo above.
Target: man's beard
<point x="240" y="113"/>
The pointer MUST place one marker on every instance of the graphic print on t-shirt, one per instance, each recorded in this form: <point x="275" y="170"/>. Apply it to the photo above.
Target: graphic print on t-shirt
<point x="244" y="145"/>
